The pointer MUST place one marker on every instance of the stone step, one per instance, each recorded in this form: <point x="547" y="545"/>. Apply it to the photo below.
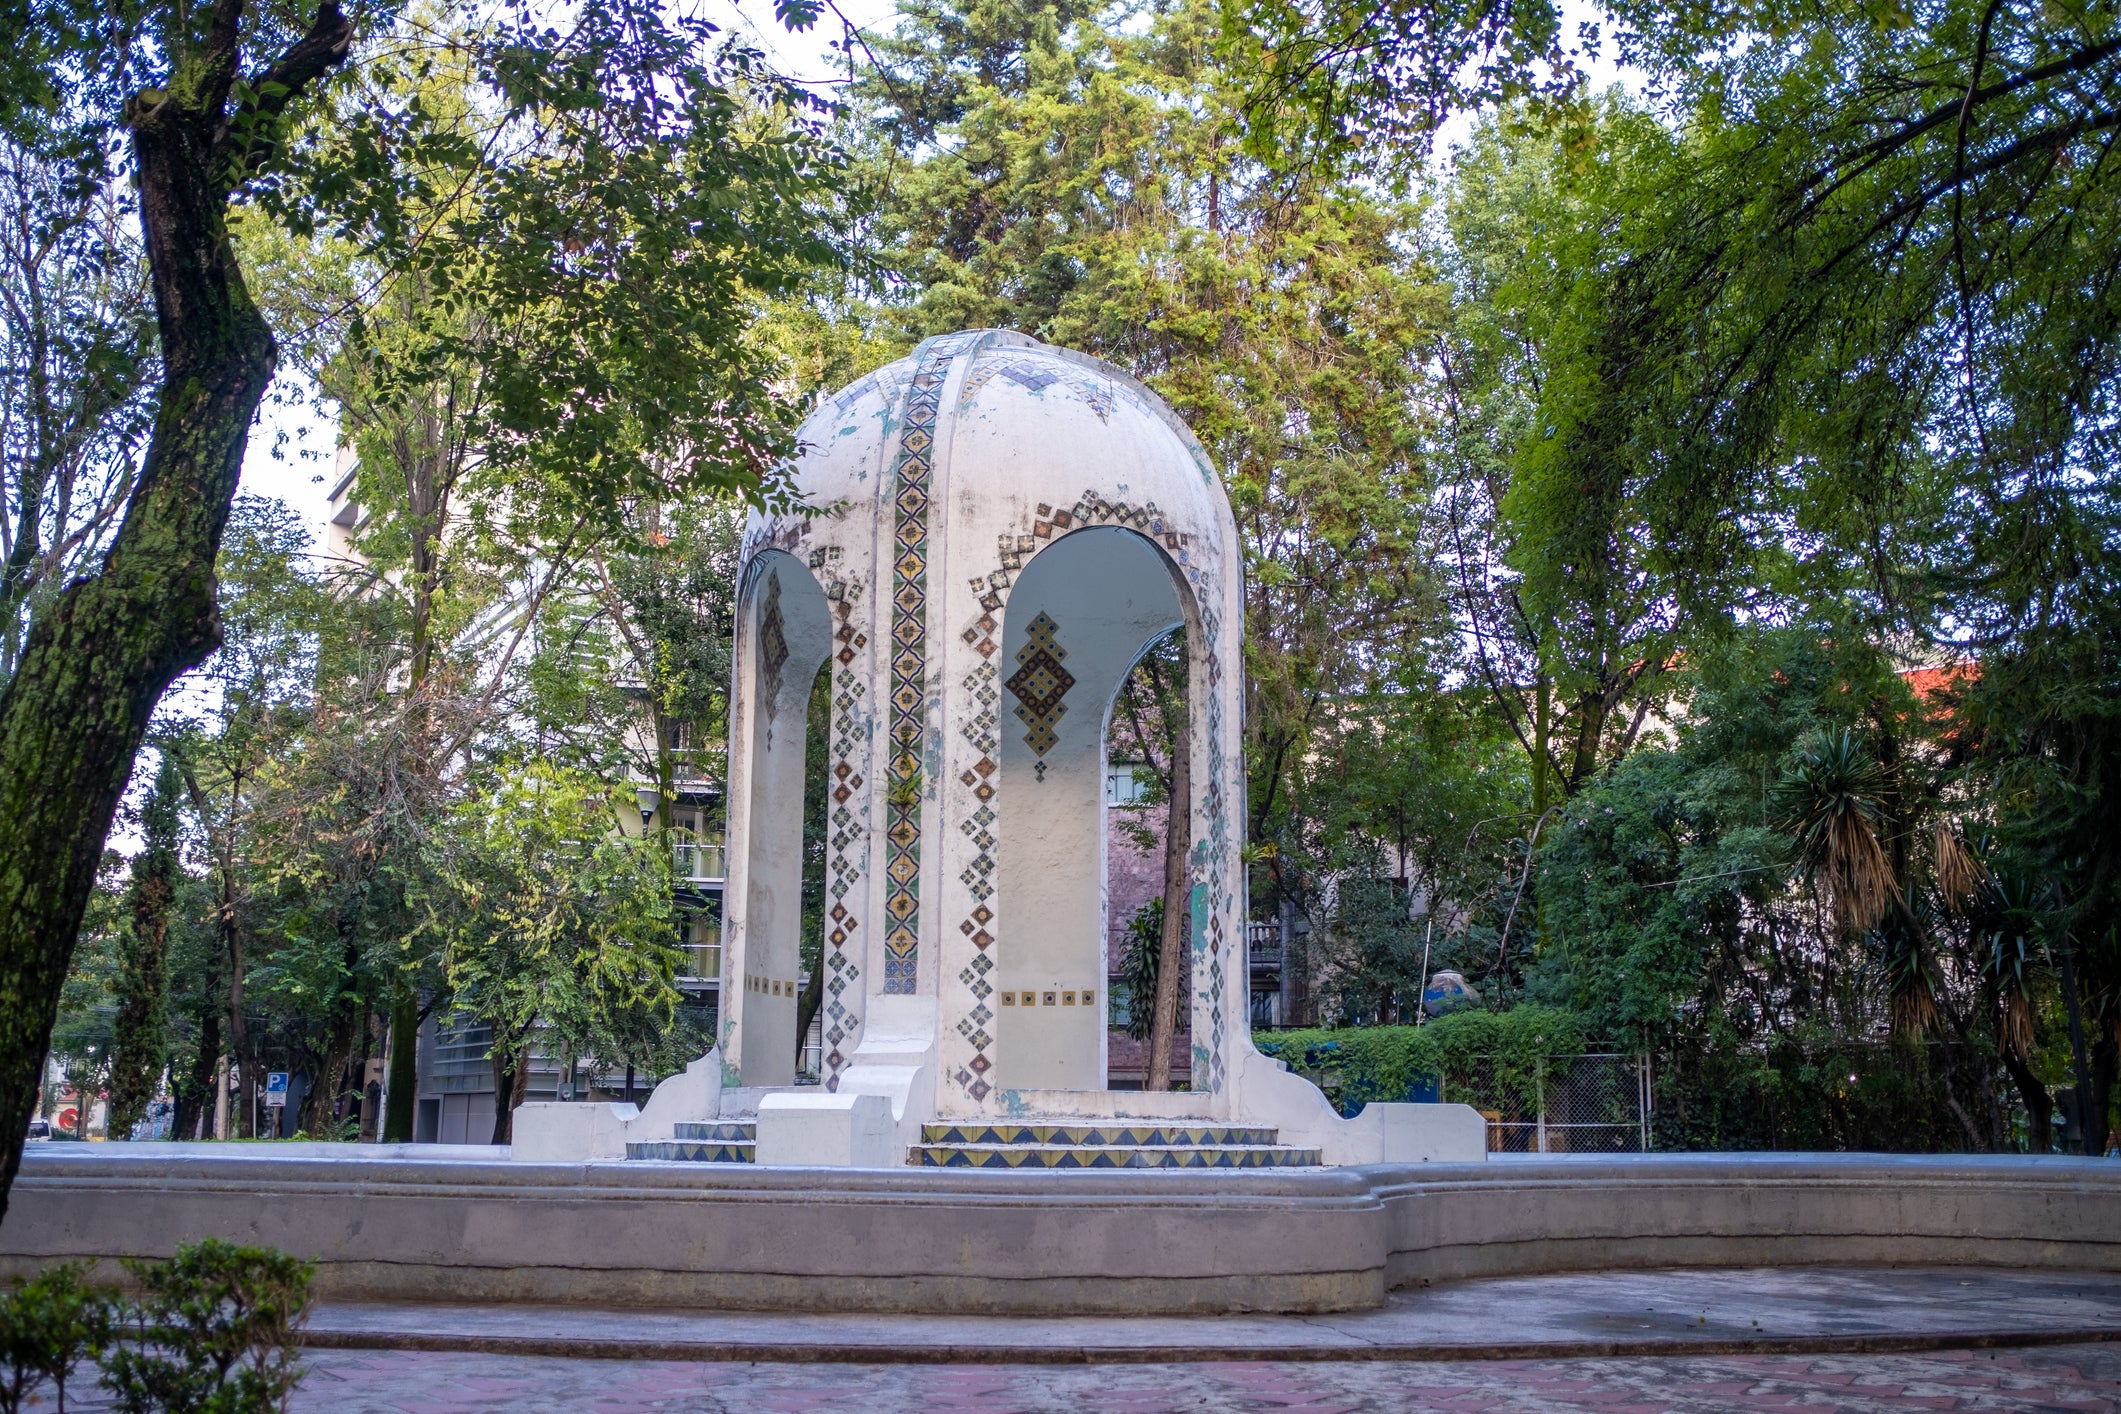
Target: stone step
<point x="1112" y="1156"/>
<point x="726" y="1131"/>
<point x="694" y="1151"/>
<point x="1126" y="1133"/>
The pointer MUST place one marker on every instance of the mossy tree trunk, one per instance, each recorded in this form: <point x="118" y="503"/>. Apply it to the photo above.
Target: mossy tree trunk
<point x="101" y="655"/>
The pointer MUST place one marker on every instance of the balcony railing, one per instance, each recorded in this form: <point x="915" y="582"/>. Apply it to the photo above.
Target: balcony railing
<point x="699" y="763"/>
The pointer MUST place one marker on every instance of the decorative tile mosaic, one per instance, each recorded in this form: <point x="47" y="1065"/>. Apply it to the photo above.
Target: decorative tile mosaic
<point x="1092" y="1156"/>
<point x="1039" y="683"/>
<point x="981" y="731"/>
<point x="773" y="651"/>
<point x="691" y="1151"/>
<point x="1035" y="372"/>
<point x="1220" y="858"/>
<point x="1214" y="853"/>
<point x="847" y="860"/>
<point x="1136" y="1133"/>
<point x="909" y="662"/>
<point x="716" y="1131"/>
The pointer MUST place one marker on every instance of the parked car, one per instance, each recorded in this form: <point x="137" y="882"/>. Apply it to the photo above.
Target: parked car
<point x="40" y="1130"/>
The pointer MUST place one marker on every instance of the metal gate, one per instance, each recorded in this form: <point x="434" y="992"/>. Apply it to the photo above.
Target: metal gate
<point x="1597" y="1103"/>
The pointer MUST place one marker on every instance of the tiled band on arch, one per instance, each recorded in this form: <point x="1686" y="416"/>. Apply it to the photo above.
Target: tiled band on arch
<point x="909" y="664"/>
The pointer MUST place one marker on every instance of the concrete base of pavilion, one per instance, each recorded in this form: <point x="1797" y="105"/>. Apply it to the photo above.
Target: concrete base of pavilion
<point x="880" y="1113"/>
<point x="449" y="1226"/>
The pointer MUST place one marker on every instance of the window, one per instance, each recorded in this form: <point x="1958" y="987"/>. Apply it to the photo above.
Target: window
<point x="1125" y="783"/>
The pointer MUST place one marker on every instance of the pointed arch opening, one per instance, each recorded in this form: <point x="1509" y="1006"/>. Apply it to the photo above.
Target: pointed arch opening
<point x="1079" y="618"/>
<point x="789" y="636"/>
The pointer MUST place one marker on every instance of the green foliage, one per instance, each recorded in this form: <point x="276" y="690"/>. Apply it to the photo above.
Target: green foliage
<point x="549" y="913"/>
<point x="1819" y="1091"/>
<point x="49" y="1324"/>
<point x="1336" y="78"/>
<point x="1140" y="960"/>
<point x="84" y="1034"/>
<point x="1387" y="1063"/>
<point x="139" y="1038"/>
<point x="214" y="1331"/>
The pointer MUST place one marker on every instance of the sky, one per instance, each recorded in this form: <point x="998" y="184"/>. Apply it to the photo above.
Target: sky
<point x="290" y="454"/>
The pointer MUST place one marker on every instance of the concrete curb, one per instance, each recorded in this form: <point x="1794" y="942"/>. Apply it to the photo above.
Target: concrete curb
<point x="736" y="1237"/>
<point x="774" y="1353"/>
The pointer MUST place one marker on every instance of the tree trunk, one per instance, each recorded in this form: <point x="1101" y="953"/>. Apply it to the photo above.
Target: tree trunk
<point x="511" y="1083"/>
<point x="195" y="1105"/>
<point x="95" y="664"/>
<point x="139" y="1044"/>
<point x="2106" y="1060"/>
<point x="1178" y="904"/>
<point x="807" y="1003"/>
<point x="321" y="1101"/>
<point x="403" y="1084"/>
<point x="107" y="647"/>
<point x="2080" y="1131"/>
<point x="2039" y="1106"/>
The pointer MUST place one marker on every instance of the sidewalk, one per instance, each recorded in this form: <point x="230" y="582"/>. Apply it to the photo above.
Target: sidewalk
<point x="1751" y="1311"/>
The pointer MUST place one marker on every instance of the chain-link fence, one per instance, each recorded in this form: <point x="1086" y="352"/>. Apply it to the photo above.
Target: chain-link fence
<point x="1599" y="1103"/>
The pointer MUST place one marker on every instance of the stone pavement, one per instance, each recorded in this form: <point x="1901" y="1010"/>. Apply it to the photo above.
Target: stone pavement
<point x="1810" y="1310"/>
<point x="1857" y="1339"/>
<point x="2057" y="1378"/>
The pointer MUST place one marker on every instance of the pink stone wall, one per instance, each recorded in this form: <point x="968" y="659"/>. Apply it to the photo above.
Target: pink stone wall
<point x="1133" y="875"/>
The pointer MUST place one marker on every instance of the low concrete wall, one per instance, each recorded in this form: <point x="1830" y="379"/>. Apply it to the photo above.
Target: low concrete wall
<point x="480" y="1229"/>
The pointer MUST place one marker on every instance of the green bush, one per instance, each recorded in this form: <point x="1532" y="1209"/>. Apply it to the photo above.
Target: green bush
<point x="212" y="1333"/>
<point x="1359" y="1064"/>
<point x="48" y="1325"/>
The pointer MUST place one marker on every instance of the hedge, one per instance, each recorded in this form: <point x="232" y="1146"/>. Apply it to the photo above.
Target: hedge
<point x="1390" y="1062"/>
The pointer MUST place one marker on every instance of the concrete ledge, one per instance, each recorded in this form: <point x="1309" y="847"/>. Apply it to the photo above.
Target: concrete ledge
<point x="444" y="1228"/>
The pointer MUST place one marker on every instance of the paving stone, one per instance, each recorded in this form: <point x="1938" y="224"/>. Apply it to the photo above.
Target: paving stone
<point x="378" y="1382"/>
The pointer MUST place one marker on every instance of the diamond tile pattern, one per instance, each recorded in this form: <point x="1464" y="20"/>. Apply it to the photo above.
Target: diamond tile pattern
<point x="848" y="859"/>
<point x="723" y="1142"/>
<point x="773" y="650"/>
<point x="1040" y="683"/>
<point x="909" y="664"/>
<point x="1118" y="1145"/>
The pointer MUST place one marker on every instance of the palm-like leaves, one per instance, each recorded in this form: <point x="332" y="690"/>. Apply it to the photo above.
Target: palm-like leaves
<point x="1960" y="872"/>
<point x="1901" y="938"/>
<point x="1830" y="803"/>
<point x="2009" y="911"/>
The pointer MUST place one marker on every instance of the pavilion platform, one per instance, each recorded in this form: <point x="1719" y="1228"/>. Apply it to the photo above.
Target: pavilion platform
<point x="436" y="1224"/>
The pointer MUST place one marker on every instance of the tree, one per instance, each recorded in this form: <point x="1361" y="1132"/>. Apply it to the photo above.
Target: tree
<point x="1153" y="725"/>
<point x="105" y="648"/>
<point x="139" y="1040"/>
<point x="1069" y="173"/>
<point x="76" y="359"/>
<point x="668" y="178"/>
<point x="551" y="917"/>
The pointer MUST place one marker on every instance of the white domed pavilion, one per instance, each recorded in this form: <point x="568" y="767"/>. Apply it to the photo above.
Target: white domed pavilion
<point x="999" y="529"/>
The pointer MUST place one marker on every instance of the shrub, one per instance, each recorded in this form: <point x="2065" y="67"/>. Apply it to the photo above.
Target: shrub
<point x="1390" y="1063"/>
<point x="48" y="1325"/>
<point x="212" y="1333"/>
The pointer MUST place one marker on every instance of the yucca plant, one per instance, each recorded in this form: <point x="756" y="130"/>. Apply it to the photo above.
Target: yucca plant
<point x="1960" y="872"/>
<point x="1901" y="939"/>
<point x="2008" y="913"/>
<point x="1830" y="802"/>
